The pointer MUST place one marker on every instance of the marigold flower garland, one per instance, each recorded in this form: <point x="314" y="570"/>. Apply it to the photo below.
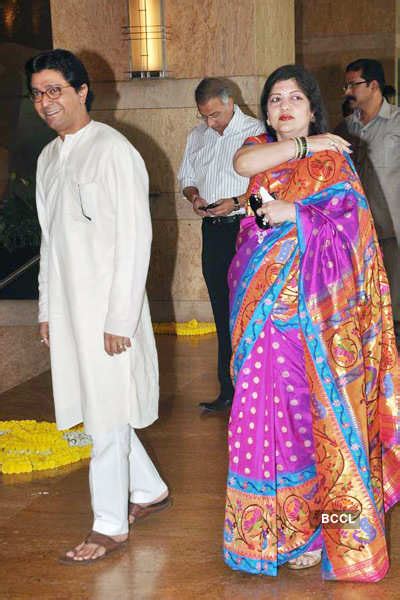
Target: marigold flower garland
<point x="30" y="445"/>
<point x="192" y="327"/>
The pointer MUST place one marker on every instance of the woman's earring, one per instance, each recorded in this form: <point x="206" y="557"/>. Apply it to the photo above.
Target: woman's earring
<point x="268" y="123"/>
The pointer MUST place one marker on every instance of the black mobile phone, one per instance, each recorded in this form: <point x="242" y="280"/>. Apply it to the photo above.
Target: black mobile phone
<point x="213" y="205"/>
<point x="255" y="203"/>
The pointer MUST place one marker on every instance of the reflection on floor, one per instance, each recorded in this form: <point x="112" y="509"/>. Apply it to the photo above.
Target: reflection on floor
<point x="174" y="555"/>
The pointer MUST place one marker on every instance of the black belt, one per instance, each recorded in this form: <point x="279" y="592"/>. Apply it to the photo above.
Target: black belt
<point x="223" y="220"/>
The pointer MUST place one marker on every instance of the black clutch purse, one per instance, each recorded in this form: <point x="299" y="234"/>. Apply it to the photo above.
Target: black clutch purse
<point x="256" y="203"/>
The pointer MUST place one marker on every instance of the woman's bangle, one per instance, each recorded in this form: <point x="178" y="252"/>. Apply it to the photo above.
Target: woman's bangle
<point x="297" y="147"/>
<point x="304" y="142"/>
<point x="301" y="147"/>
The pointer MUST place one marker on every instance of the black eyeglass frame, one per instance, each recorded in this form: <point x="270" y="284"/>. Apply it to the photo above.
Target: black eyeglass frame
<point x="354" y="84"/>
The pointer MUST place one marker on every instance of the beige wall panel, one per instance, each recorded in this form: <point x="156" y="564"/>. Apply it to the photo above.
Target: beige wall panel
<point x="18" y="312"/>
<point x="376" y="42"/>
<point x="181" y="310"/>
<point x="23" y="356"/>
<point x="93" y="29"/>
<point x="175" y="270"/>
<point x="274" y="26"/>
<point x="328" y="17"/>
<point x="170" y="206"/>
<point x="166" y="93"/>
<point x="159" y="136"/>
<point x="212" y="37"/>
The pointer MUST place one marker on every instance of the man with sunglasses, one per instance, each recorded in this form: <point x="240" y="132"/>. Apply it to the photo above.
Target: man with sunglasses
<point x="92" y="202"/>
<point x="216" y="192"/>
<point x="374" y="131"/>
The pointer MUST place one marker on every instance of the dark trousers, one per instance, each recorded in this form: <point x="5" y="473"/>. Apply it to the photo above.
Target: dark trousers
<point x="219" y="241"/>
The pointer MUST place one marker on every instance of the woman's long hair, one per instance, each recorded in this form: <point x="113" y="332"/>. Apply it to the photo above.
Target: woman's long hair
<point x="308" y="84"/>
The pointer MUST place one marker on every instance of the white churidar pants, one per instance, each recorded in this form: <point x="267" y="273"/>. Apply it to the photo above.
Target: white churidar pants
<point x="120" y="469"/>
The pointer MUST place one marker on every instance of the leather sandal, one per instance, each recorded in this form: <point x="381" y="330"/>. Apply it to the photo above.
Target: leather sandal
<point x="108" y="543"/>
<point x="136" y="512"/>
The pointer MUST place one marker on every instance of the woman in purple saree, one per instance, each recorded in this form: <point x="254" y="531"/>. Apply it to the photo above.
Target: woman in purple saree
<point x="314" y="431"/>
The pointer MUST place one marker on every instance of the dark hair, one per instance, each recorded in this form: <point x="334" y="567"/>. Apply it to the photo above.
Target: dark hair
<point x="371" y="70"/>
<point x="389" y="91"/>
<point x="308" y="85"/>
<point x="212" y="87"/>
<point x="65" y="63"/>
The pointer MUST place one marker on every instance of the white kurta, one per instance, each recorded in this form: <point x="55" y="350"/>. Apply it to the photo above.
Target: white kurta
<point x="92" y="202"/>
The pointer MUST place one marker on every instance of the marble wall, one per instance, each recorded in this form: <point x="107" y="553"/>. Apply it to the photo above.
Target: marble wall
<point x="94" y="28"/>
<point x="22" y="354"/>
<point x="332" y="33"/>
<point x="243" y="43"/>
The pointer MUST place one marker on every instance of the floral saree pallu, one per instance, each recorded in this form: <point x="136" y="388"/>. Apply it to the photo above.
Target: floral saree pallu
<point x="313" y="433"/>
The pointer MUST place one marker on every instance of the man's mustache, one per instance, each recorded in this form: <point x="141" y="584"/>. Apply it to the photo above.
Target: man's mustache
<point x="351" y="98"/>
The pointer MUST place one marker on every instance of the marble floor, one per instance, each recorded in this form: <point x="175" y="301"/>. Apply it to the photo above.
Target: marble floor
<point x="173" y="555"/>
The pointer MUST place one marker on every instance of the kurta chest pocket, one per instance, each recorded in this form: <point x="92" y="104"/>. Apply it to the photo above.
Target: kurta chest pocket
<point x="85" y="201"/>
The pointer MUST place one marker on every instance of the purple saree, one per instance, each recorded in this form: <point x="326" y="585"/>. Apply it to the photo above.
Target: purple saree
<point x="314" y="423"/>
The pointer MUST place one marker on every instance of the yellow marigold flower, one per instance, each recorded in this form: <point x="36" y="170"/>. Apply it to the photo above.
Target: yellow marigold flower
<point x="192" y="327"/>
<point x="28" y="445"/>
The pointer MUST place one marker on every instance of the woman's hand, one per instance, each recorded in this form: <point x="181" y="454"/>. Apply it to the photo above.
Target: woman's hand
<point x="278" y="211"/>
<point x="328" y="141"/>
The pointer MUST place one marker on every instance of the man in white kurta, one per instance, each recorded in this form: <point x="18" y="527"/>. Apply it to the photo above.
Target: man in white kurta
<point x="92" y="202"/>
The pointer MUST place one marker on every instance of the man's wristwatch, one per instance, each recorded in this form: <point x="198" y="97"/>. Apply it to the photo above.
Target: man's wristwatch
<point x="236" y="203"/>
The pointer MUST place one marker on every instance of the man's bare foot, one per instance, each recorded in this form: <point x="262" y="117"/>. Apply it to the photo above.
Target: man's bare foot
<point x="95" y="547"/>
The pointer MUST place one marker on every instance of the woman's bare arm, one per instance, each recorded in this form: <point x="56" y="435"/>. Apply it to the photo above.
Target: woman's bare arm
<point x="250" y="160"/>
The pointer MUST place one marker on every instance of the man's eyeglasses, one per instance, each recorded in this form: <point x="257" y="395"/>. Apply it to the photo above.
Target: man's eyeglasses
<point x="53" y="93"/>
<point x="205" y="118"/>
<point x="352" y="84"/>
